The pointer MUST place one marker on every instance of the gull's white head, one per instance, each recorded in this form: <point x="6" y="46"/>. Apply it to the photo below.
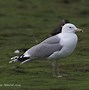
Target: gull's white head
<point x="70" y="28"/>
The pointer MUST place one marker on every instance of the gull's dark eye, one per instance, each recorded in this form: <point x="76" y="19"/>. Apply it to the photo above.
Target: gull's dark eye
<point x="70" y="27"/>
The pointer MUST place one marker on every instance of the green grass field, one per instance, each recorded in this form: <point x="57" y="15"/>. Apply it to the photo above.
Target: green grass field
<point x="24" y="21"/>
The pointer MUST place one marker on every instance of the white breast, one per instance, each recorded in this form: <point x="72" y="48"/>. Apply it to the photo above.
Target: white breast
<point x="68" y="41"/>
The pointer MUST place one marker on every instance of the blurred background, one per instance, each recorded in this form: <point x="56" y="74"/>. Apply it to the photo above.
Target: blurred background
<point x="24" y="23"/>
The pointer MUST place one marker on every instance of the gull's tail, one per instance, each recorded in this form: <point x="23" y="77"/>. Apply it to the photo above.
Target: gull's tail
<point x="21" y="59"/>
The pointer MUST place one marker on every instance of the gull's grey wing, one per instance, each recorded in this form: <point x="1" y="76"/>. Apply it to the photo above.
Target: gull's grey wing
<point x="45" y="48"/>
<point x="52" y="40"/>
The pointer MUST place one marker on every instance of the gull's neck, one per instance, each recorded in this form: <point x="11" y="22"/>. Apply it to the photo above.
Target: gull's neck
<point x="67" y="33"/>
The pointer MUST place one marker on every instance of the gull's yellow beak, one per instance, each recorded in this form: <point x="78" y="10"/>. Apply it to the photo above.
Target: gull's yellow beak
<point x="79" y="30"/>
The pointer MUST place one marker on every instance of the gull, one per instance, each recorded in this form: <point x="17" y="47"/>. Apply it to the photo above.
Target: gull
<point x="53" y="48"/>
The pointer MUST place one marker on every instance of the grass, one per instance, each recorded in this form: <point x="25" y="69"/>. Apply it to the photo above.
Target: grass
<point x="24" y="21"/>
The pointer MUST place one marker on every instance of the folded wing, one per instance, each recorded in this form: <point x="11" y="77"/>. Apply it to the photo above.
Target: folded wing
<point x="45" y="48"/>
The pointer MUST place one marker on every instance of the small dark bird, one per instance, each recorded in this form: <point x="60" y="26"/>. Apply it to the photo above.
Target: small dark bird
<point x="58" y="29"/>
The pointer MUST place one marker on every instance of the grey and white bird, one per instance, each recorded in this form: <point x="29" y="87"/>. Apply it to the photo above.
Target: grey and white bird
<point x="54" y="48"/>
